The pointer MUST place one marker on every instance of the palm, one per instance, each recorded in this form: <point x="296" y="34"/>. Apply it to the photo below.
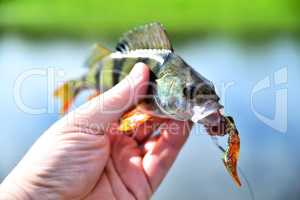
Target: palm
<point x="135" y="167"/>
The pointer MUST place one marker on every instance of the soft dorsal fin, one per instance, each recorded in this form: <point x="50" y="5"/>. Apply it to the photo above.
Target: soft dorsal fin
<point x="149" y="36"/>
<point x="97" y="53"/>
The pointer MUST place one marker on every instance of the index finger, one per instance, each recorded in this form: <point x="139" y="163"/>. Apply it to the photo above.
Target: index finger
<point x="160" y="157"/>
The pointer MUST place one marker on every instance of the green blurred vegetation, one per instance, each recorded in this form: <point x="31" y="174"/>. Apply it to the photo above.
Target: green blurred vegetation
<point x="181" y="17"/>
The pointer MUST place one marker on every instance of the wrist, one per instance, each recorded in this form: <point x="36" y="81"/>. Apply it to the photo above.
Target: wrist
<point x="13" y="192"/>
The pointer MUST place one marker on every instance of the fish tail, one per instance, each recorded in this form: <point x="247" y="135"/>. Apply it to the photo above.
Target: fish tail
<point x="67" y="92"/>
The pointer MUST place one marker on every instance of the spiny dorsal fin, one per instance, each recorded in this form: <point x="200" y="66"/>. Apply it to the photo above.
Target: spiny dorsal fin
<point x="149" y="36"/>
<point x="98" y="52"/>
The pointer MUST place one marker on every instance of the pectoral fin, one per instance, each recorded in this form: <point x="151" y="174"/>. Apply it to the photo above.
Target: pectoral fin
<point x="134" y="118"/>
<point x="139" y="115"/>
<point x="130" y="121"/>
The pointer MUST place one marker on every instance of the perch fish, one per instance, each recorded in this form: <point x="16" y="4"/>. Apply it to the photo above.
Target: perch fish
<point x="178" y="91"/>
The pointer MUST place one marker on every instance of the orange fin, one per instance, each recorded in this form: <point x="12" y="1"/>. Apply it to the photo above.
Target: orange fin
<point x="93" y="95"/>
<point x="66" y="96"/>
<point x="139" y="115"/>
<point x="133" y="119"/>
<point x="231" y="156"/>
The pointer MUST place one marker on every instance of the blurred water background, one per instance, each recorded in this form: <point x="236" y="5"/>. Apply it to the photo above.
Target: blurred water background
<point x="231" y="43"/>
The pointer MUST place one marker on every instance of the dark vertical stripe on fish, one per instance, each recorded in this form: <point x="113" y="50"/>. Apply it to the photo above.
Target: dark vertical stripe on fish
<point x="117" y="69"/>
<point x="143" y="60"/>
<point x="97" y="78"/>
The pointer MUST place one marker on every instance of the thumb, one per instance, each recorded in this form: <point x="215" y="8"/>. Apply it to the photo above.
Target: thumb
<point x="109" y="106"/>
<point x="69" y="165"/>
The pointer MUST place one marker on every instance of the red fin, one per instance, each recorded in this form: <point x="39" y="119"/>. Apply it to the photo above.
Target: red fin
<point x="137" y="116"/>
<point x="93" y="95"/>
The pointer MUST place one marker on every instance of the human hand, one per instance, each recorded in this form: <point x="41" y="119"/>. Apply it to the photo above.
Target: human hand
<point x="81" y="157"/>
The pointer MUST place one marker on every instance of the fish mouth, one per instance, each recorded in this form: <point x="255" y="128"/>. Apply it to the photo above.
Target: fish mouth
<point x="209" y="113"/>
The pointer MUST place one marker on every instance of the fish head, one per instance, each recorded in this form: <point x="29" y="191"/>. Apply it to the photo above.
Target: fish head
<point x="184" y="94"/>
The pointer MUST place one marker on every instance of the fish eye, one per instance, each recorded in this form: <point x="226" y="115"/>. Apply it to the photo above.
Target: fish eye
<point x="189" y="91"/>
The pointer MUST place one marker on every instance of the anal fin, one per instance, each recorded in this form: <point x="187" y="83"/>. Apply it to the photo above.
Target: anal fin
<point x="93" y="95"/>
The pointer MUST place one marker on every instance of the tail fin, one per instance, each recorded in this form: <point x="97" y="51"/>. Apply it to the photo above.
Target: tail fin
<point x="67" y="93"/>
